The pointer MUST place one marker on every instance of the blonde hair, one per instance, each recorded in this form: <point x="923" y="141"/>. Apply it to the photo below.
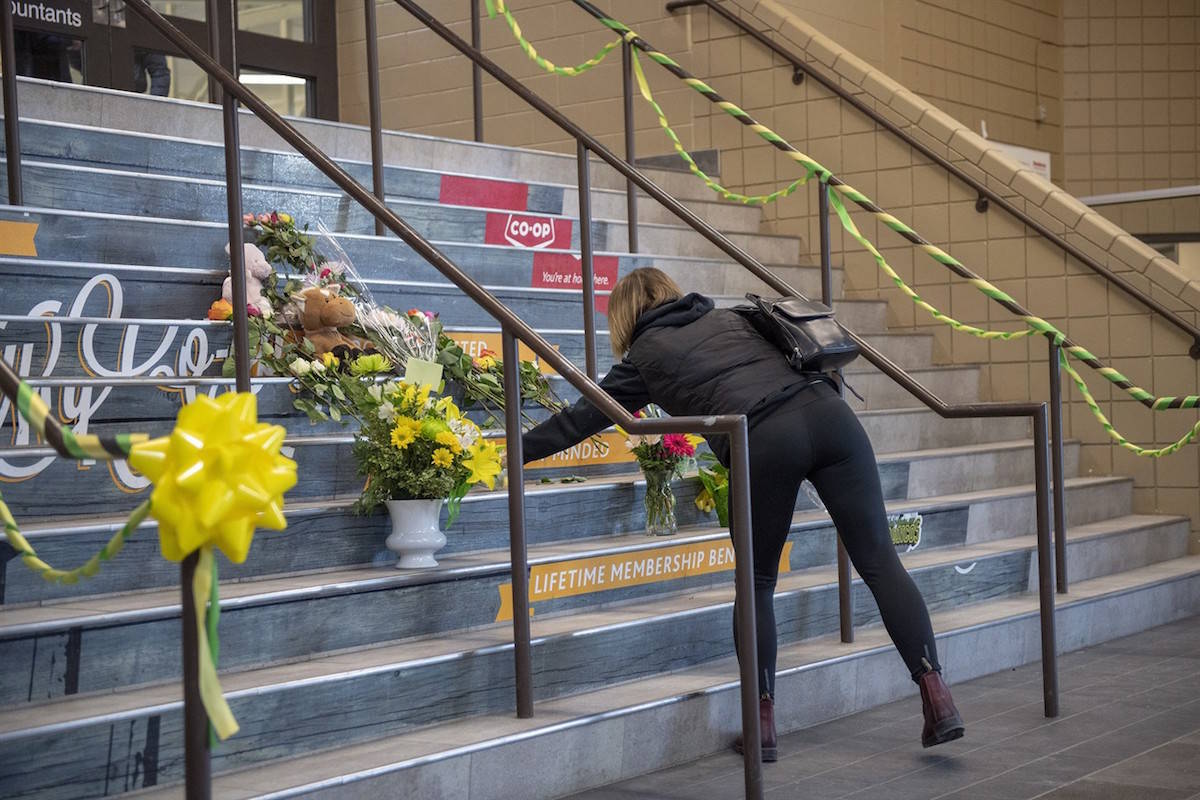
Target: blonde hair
<point x="635" y="294"/>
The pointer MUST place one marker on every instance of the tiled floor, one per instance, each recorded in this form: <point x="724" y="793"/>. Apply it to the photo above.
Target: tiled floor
<point x="1129" y="729"/>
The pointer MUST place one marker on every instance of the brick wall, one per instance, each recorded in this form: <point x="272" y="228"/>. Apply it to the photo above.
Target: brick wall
<point x="425" y="85"/>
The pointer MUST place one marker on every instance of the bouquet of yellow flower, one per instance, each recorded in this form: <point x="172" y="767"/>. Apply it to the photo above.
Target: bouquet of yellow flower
<point x="415" y="445"/>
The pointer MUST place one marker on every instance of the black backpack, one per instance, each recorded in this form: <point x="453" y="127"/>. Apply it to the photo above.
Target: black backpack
<point x="804" y="330"/>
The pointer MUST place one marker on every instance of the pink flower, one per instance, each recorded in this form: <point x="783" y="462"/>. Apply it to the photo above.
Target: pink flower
<point x="274" y="218"/>
<point x="676" y="444"/>
<point x="248" y="220"/>
<point x="325" y="273"/>
<point x="263" y="218"/>
<point x="252" y="311"/>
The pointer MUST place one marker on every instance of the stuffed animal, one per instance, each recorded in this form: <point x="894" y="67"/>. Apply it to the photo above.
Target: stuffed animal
<point x="257" y="269"/>
<point x="328" y="276"/>
<point x="325" y="312"/>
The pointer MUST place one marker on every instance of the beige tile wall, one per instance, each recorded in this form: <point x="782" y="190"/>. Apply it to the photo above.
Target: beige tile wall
<point x="1035" y="273"/>
<point x="425" y="85"/>
<point x="1129" y="77"/>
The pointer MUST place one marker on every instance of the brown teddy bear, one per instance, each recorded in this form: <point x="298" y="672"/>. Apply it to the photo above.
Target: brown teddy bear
<point x="325" y="312"/>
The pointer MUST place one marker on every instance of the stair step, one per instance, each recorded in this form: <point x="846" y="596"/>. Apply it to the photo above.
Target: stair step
<point x="300" y="615"/>
<point x="604" y="506"/>
<point x="85" y="105"/>
<point x="128" y="150"/>
<point x="79" y="188"/>
<point x="975" y="640"/>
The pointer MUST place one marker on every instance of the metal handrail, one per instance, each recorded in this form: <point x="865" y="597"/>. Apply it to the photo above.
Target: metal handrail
<point x="1036" y="411"/>
<point x="1141" y="196"/>
<point x="985" y="193"/>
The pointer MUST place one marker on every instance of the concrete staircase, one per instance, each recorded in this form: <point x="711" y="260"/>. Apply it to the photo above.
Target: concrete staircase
<point x="351" y="679"/>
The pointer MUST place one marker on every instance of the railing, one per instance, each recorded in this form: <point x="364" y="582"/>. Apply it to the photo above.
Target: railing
<point x="1036" y="411"/>
<point x="1142" y="196"/>
<point x="514" y="329"/>
<point x="985" y="194"/>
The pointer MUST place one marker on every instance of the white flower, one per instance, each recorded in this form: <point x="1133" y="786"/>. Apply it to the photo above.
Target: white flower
<point x="317" y="366"/>
<point x="300" y="367"/>
<point x="387" y="411"/>
<point x="466" y="431"/>
<point x="376" y="393"/>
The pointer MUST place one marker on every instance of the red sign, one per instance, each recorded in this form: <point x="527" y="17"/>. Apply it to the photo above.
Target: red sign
<point x="565" y="271"/>
<point x="527" y="230"/>
<point x="459" y="190"/>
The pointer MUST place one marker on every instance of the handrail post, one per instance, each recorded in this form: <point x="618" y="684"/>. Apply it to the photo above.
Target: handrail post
<point x="1056" y="460"/>
<point x="586" y="268"/>
<point x="744" y="618"/>
<point x="518" y="551"/>
<point x="197" y="766"/>
<point x="476" y="73"/>
<point x="1045" y="581"/>
<point x="845" y="582"/>
<point x="630" y="189"/>
<point x="373" y="104"/>
<point x="12" y="120"/>
<point x="224" y="42"/>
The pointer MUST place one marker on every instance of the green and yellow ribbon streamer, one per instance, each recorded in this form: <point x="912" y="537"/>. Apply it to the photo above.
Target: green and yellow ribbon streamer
<point x="549" y="66"/>
<point x="217" y="476"/>
<point x="1174" y="447"/>
<point x="837" y="189"/>
<point x="90" y="567"/>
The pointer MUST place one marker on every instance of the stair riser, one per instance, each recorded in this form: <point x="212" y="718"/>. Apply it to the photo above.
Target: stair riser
<point x="117" y="150"/>
<point x="161" y="294"/>
<point x="1109" y="555"/>
<point x="298" y="628"/>
<point x="921" y="429"/>
<point x="952" y="385"/>
<point x="993" y="521"/>
<point x="144" y="408"/>
<point x="296" y="720"/>
<point x="645" y="739"/>
<point x="145" y="195"/>
<point x="107" y="344"/>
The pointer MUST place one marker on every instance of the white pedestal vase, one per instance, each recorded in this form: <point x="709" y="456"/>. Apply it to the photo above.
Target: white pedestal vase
<point x="416" y="532"/>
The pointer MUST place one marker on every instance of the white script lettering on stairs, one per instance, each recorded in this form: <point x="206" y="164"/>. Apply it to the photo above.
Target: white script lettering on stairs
<point x="170" y="355"/>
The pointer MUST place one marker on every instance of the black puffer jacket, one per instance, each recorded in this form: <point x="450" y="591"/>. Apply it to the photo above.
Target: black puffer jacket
<point x="689" y="359"/>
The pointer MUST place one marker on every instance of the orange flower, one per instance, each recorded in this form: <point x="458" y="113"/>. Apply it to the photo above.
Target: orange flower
<point x="220" y="310"/>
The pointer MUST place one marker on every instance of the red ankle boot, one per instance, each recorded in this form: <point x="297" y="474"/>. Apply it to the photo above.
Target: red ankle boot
<point x="942" y="722"/>
<point x="766" y="726"/>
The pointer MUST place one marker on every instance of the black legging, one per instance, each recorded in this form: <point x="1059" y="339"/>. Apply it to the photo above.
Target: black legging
<point x="815" y="435"/>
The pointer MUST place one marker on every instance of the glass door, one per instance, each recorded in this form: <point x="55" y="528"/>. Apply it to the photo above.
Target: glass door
<point x="286" y="48"/>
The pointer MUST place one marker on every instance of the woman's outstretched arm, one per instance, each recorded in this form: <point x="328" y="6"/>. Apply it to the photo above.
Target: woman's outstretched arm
<point x="583" y="419"/>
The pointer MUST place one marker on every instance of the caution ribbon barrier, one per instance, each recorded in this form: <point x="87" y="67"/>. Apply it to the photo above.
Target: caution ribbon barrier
<point x="838" y="191"/>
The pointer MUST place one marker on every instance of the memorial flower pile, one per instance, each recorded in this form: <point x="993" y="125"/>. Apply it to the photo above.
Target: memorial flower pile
<point x="416" y="445"/>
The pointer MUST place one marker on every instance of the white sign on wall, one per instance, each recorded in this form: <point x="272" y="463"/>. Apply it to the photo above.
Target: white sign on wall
<point x="1035" y="160"/>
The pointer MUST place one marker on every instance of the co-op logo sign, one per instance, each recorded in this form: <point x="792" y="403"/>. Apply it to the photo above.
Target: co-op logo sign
<point x="525" y="231"/>
<point x="46" y="12"/>
<point x="530" y="231"/>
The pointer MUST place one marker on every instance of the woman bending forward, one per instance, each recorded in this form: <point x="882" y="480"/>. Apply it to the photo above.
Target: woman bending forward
<point x="682" y="354"/>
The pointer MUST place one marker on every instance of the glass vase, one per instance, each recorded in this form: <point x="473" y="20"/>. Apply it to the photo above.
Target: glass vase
<point x="660" y="502"/>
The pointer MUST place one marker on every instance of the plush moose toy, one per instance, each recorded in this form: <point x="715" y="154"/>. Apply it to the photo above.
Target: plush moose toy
<point x="324" y="312"/>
